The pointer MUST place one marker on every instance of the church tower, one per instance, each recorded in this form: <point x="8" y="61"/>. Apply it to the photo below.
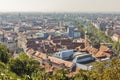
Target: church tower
<point x="86" y="38"/>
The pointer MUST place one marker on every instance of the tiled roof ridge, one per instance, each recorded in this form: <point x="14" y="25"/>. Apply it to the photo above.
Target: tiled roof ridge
<point x="97" y="52"/>
<point x="52" y="59"/>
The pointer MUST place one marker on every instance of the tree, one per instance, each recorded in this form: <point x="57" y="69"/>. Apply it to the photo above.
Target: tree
<point x="40" y="74"/>
<point x="107" y="70"/>
<point x="2" y="66"/>
<point x="82" y="75"/>
<point x="95" y="42"/>
<point x="112" y="72"/>
<point x="23" y="65"/>
<point x="4" y="55"/>
<point x="61" y="74"/>
<point x="116" y="48"/>
<point x="5" y="74"/>
<point x="102" y="70"/>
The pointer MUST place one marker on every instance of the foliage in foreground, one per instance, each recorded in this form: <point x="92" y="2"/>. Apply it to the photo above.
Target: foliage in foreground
<point x="27" y="68"/>
<point x="4" y="55"/>
<point x="23" y="65"/>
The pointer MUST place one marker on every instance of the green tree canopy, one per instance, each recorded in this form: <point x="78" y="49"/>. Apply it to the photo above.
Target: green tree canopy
<point x="60" y="74"/>
<point x="116" y="48"/>
<point x="23" y="65"/>
<point x="4" y="55"/>
<point x="106" y="70"/>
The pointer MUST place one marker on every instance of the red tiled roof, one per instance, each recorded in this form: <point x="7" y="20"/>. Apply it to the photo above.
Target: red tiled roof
<point x="91" y="49"/>
<point x="116" y="35"/>
<point x="60" y="61"/>
<point x="30" y="51"/>
<point x="42" y="55"/>
<point x="102" y="52"/>
<point x="37" y="53"/>
<point x="104" y="48"/>
<point x="81" y="40"/>
<point x="53" y="59"/>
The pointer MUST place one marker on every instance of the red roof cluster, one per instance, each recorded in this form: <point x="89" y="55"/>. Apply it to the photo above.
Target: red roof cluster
<point x="103" y="51"/>
<point x="52" y="59"/>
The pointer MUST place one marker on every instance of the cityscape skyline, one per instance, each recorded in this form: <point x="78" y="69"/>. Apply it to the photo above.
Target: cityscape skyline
<point x="59" y="6"/>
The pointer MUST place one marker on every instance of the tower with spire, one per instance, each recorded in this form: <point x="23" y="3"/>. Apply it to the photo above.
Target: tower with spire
<point x="86" y="38"/>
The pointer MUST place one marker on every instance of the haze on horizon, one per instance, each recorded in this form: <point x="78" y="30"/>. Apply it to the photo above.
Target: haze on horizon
<point x="59" y="5"/>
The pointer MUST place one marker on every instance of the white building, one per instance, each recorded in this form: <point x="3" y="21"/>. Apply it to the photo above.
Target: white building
<point x="116" y="37"/>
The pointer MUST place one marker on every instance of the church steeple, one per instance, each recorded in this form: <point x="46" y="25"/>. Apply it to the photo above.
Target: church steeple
<point x="86" y="38"/>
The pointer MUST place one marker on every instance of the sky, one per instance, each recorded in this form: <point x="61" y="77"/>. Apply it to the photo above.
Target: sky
<point x="59" y="5"/>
